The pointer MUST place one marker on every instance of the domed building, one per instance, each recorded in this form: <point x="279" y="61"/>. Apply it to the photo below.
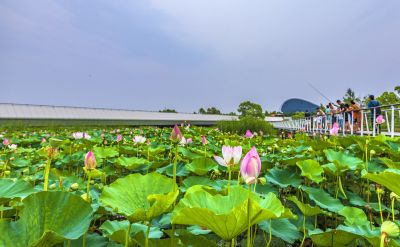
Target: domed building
<point x="297" y="105"/>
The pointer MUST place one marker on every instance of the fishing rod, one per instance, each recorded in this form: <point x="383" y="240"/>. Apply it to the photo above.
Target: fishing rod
<point x="320" y="93"/>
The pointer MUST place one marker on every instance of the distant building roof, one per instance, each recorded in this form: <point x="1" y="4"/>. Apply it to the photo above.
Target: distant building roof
<point x="297" y="105"/>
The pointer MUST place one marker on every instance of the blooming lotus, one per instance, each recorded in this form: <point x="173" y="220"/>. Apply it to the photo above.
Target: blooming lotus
<point x="204" y="140"/>
<point x="185" y="141"/>
<point x="230" y="156"/>
<point x="380" y="120"/>
<point x="189" y="140"/>
<point x="5" y="142"/>
<point x="43" y="140"/>
<point x="81" y="135"/>
<point x="248" y="134"/>
<point x="139" y="139"/>
<point x="251" y="166"/>
<point x="176" y="134"/>
<point x="90" y="161"/>
<point x="12" y="146"/>
<point x="335" y="129"/>
<point x="119" y="138"/>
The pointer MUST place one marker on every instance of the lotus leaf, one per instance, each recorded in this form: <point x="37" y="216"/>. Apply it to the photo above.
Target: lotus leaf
<point x="343" y="161"/>
<point x="282" y="228"/>
<point x="306" y="209"/>
<point x="311" y="169"/>
<point x="323" y="199"/>
<point x="131" y="163"/>
<point x="284" y="177"/>
<point x="10" y="189"/>
<point x="46" y="219"/>
<point x="389" y="178"/>
<point x="133" y="197"/>
<point x="225" y="215"/>
<point x="201" y="166"/>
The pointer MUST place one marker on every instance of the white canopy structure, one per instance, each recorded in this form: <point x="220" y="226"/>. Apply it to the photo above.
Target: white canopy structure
<point x="65" y="115"/>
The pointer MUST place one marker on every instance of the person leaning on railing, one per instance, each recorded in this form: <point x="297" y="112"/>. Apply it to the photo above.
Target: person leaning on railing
<point x="374" y="107"/>
<point x="356" y="111"/>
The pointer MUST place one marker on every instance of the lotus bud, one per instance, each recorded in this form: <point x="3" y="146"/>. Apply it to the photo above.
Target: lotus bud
<point x="204" y="140"/>
<point x="74" y="186"/>
<point x="52" y="186"/>
<point x="176" y="134"/>
<point x="7" y="172"/>
<point x="372" y="152"/>
<point x="248" y="134"/>
<point x="379" y="190"/>
<point x="90" y="161"/>
<point x="51" y="152"/>
<point x="251" y="166"/>
<point x="119" y="138"/>
<point x="5" y="142"/>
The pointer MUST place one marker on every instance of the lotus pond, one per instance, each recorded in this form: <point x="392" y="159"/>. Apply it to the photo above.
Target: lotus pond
<point x="196" y="187"/>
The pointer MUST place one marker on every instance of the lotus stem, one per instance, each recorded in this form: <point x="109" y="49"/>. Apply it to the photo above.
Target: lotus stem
<point x="341" y="187"/>
<point x="238" y="179"/>
<point x="128" y="235"/>
<point x="88" y="187"/>
<point x="270" y="233"/>
<point x="4" y="168"/>
<point x="233" y="242"/>
<point x="84" y="239"/>
<point x="146" y="244"/>
<point x="304" y="231"/>
<point x="174" y="166"/>
<point x="46" y="174"/>
<point x="69" y="243"/>
<point x="205" y="151"/>
<point x="248" y="219"/>
<point x="229" y="179"/>
<point x="380" y="206"/>
<point x="393" y="208"/>
<point x="383" y="237"/>
<point x="173" y="235"/>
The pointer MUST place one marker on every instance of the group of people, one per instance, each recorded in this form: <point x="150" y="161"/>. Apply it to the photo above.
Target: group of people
<point x="344" y="114"/>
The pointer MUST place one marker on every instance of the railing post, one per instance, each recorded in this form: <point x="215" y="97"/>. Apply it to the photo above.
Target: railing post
<point x="374" y="123"/>
<point x="362" y="123"/>
<point x="392" y="127"/>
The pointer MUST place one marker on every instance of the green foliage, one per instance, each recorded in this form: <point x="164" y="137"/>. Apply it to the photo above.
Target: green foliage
<point x="349" y="96"/>
<point x="210" y="110"/>
<point x="388" y="98"/>
<point x="250" y="109"/>
<point x="298" y="115"/>
<point x="168" y="110"/>
<point x="240" y="126"/>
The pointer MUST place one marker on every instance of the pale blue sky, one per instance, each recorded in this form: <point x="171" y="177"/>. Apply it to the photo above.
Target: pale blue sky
<point x="149" y="55"/>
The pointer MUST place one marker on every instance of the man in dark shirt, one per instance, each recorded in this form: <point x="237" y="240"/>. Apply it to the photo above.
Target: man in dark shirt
<point x="374" y="106"/>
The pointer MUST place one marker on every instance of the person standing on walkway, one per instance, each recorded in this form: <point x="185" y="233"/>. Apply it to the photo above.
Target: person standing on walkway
<point x="356" y="110"/>
<point x="374" y="107"/>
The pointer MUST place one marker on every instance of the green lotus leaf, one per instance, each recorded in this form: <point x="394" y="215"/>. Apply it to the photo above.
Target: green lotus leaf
<point x="201" y="166"/>
<point x="282" y="228"/>
<point x="284" y="177"/>
<point x="188" y="154"/>
<point x="20" y="163"/>
<point x="343" y="161"/>
<point x="356" y="200"/>
<point x="354" y="216"/>
<point x="131" y="163"/>
<point x="311" y="169"/>
<point x="92" y="239"/>
<point x="116" y="230"/>
<point x="10" y="189"/>
<point x="225" y="215"/>
<point x="189" y="239"/>
<point x="323" y="199"/>
<point x="306" y="209"/>
<point x="140" y="197"/>
<point x="332" y="237"/>
<point x="181" y="170"/>
<point x="47" y="218"/>
<point x="390" y="163"/>
<point x="389" y="178"/>
<point x="372" y="236"/>
<point x="105" y="152"/>
<point x="196" y="180"/>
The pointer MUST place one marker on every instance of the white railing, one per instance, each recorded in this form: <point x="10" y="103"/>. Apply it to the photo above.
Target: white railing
<point x="361" y="122"/>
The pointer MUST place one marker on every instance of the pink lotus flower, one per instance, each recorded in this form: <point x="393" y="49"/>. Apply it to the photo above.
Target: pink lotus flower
<point x="248" y="134"/>
<point x="43" y="140"/>
<point x="335" y="129"/>
<point x="139" y="139"/>
<point x="380" y="120"/>
<point x="189" y="140"/>
<point x="251" y="166"/>
<point x="176" y="134"/>
<point x="5" y="142"/>
<point x="204" y="140"/>
<point x="119" y="138"/>
<point x="230" y="156"/>
<point x="90" y="161"/>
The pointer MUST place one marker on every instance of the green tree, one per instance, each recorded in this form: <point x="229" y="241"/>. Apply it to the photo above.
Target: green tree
<point x="168" y="110"/>
<point x="210" y="110"/>
<point x="388" y="98"/>
<point x="351" y="95"/>
<point x="250" y="109"/>
<point x="202" y="111"/>
<point x="397" y="89"/>
<point x="298" y="115"/>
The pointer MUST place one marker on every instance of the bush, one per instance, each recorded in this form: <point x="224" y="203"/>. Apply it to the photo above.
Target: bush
<point x="247" y="123"/>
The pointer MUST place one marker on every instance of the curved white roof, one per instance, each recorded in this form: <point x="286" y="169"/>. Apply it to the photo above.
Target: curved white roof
<point x="43" y="112"/>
